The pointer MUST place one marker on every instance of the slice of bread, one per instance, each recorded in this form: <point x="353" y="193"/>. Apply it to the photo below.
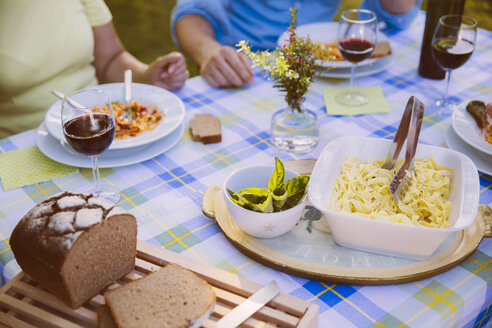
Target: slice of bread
<point x="381" y="49"/>
<point x="104" y="317"/>
<point x="171" y="297"/>
<point x="205" y="128"/>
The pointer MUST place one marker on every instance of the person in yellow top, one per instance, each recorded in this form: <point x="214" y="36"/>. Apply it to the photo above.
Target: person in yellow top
<point x="64" y="45"/>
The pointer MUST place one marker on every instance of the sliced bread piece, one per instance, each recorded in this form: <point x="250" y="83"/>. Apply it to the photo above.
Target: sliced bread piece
<point x="104" y="317"/>
<point x="171" y="297"/>
<point x="205" y="128"/>
<point x="382" y="49"/>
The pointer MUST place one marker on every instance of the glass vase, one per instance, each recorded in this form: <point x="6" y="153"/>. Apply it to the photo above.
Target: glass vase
<point x="294" y="129"/>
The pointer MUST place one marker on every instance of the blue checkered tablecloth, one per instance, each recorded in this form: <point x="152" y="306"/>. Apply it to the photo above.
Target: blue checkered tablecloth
<point x="165" y="193"/>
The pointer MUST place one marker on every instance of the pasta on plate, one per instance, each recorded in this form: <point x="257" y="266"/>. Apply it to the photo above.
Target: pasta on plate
<point x="131" y="121"/>
<point x="363" y="189"/>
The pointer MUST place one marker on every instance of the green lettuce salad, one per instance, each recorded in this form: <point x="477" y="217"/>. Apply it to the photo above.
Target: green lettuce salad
<point x="279" y="196"/>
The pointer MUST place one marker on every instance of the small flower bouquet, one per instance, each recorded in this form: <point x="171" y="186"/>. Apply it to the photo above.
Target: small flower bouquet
<point x="292" y="67"/>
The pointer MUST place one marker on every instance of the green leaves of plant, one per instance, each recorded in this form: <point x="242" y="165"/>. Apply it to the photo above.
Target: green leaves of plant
<point x="295" y="189"/>
<point x="278" y="175"/>
<point x="278" y="197"/>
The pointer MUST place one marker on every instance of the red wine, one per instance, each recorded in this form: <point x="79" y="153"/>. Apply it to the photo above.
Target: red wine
<point x="89" y="138"/>
<point x="451" y="53"/>
<point x="428" y="67"/>
<point x="355" y="50"/>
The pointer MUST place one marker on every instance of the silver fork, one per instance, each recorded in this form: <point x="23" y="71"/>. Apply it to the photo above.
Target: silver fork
<point x="410" y="125"/>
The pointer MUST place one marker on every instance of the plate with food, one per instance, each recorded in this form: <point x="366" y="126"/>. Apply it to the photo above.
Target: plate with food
<point x="60" y="151"/>
<point x="481" y="160"/>
<point x="472" y="122"/>
<point x="153" y="114"/>
<point x="366" y="70"/>
<point x="326" y="35"/>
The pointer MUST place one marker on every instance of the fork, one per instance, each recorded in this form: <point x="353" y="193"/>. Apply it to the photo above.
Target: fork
<point x="410" y="125"/>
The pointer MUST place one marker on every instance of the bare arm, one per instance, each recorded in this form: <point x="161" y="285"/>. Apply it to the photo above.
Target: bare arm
<point x="196" y="37"/>
<point x="221" y="66"/>
<point x="111" y="60"/>
<point x="398" y="7"/>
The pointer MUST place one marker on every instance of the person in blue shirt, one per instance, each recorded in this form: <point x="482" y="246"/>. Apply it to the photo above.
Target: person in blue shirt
<point x="208" y="30"/>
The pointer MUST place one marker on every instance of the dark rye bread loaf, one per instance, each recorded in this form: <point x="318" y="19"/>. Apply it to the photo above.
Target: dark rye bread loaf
<point x="75" y="245"/>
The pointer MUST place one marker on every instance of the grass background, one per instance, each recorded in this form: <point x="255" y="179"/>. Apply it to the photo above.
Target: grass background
<point x="144" y="25"/>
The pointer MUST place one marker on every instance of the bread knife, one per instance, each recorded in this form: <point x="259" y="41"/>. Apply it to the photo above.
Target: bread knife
<point x="247" y="308"/>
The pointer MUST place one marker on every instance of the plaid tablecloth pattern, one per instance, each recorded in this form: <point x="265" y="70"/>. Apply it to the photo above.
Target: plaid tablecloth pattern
<point x="165" y="193"/>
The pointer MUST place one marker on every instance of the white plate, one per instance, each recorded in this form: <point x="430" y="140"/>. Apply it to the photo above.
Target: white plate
<point x="482" y="161"/>
<point x="59" y="151"/>
<point x="147" y="95"/>
<point x="327" y="33"/>
<point x="466" y="127"/>
<point x="375" y="67"/>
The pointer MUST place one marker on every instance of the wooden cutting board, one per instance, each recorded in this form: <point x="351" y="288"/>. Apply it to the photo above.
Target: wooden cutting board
<point x="23" y="303"/>
<point x="308" y="250"/>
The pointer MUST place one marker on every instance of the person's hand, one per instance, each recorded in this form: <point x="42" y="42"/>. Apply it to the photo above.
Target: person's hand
<point x="225" y="67"/>
<point x="168" y="72"/>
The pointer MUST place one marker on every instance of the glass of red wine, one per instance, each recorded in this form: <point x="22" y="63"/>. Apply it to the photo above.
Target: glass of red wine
<point x="357" y="37"/>
<point x="452" y="44"/>
<point x="88" y="125"/>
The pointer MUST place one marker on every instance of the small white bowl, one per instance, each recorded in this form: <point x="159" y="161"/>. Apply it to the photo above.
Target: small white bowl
<point x="390" y="238"/>
<point x="261" y="225"/>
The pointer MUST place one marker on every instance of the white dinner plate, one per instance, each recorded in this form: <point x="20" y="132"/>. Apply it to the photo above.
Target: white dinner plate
<point x="146" y="95"/>
<point x="360" y="71"/>
<point x="482" y="161"/>
<point x="327" y="33"/>
<point x="466" y="127"/>
<point x="61" y="152"/>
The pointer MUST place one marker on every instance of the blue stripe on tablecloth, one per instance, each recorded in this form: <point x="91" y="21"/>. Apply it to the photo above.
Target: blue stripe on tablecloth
<point x="485" y="184"/>
<point x="482" y="320"/>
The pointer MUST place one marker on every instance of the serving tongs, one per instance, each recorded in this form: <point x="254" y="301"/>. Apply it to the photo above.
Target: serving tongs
<point x="410" y="124"/>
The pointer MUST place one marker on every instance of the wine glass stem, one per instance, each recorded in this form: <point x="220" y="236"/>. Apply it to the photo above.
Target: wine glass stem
<point x="446" y="86"/>
<point x="352" y="76"/>
<point x="95" y="174"/>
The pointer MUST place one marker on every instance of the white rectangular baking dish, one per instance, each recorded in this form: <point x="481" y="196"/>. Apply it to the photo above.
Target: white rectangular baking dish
<point x="389" y="238"/>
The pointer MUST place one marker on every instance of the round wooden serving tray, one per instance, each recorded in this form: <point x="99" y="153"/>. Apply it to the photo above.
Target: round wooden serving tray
<point x="308" y="250"/>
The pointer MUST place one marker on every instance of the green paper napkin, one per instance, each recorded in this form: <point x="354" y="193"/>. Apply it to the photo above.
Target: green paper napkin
<point x="26" y="166"/>
<point x="377" y="103"/>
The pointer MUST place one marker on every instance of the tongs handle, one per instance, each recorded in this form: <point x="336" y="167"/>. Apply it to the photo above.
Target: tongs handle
<point x="410" y="124"/>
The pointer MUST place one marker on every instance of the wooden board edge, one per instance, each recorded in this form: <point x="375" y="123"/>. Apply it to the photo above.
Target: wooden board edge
<point x="7" y="320"/>
<point x="8" y="285"/>
<point x="310" y="317"/>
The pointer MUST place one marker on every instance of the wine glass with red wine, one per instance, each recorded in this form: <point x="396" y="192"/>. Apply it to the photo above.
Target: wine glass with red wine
<point x="88" y="125"/>
<point x="452" y="45"/>
<point x="357" y="37"/>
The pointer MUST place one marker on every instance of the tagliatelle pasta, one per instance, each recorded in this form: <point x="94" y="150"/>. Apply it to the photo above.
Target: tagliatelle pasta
<point x="363" y="189"/>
